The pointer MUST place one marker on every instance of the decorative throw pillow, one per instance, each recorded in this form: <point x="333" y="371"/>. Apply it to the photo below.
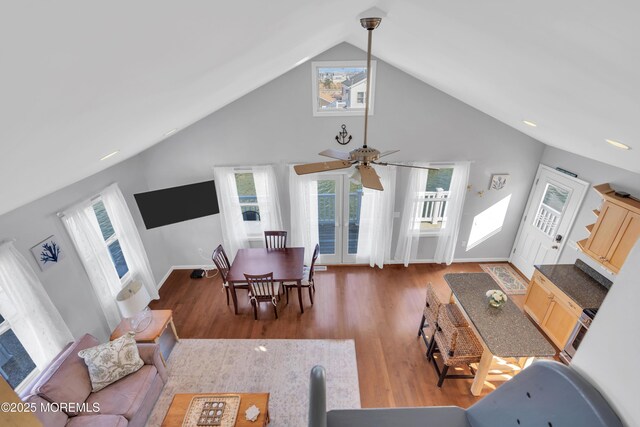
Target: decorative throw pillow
<point x="112" y="361"/>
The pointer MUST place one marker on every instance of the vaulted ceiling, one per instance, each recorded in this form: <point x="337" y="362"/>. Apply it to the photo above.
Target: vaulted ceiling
<point x="83" y="79"/>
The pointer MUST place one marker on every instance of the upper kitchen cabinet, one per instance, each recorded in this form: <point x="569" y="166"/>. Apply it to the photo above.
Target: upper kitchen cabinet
<point x="616" y="230"/>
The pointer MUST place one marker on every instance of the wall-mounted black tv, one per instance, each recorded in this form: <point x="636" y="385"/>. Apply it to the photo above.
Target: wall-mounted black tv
<point x="177" y="204"/>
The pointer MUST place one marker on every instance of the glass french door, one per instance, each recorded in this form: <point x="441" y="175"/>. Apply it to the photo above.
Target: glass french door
<point x="339" y="201"/>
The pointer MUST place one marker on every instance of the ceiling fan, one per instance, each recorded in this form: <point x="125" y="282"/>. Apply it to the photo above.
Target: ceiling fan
<point x="363" y="158"/>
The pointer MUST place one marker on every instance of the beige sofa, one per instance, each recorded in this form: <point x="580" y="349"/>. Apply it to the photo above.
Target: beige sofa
<point x="65" y="387"/>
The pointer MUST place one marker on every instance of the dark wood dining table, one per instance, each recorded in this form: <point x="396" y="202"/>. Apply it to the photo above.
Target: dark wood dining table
<point x="287" y="265"/>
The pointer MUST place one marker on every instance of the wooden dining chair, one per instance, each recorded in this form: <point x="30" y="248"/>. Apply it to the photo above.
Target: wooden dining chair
<point x="221" y="261"/>
<point x="262" y="289"/>
<point x="275" y="239"/>
<point x="458" y="346"/>
<point x="308" y="281"/>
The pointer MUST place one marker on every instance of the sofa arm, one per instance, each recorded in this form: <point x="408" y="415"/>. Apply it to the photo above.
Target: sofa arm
<point x="317" y="398"/>
<point x="150" y="355"/>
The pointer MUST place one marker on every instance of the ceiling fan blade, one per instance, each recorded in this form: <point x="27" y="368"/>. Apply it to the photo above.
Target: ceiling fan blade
<point x="321" y="167"/>
<point x="335" y="154"/>
<point x="404" y="166"/>
<point x="370" y="178"/>
<point x="387" y="153"/>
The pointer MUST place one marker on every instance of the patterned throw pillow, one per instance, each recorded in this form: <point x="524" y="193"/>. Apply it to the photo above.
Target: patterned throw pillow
<point x="112" y="361"/>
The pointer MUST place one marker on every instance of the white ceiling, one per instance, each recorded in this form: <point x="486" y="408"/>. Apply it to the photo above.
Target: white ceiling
<point x="82" y="79"/>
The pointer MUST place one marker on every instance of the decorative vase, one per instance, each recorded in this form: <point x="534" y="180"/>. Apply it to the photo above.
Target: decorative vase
<point x="494" y="303"/>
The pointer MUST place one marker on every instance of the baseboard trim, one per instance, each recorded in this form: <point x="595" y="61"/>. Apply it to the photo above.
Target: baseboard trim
<point x="183" y="267"/>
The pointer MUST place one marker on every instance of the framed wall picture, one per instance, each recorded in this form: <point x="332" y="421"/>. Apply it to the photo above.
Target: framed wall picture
<point x="47" y="253"/>
<point x="498" y="181"/>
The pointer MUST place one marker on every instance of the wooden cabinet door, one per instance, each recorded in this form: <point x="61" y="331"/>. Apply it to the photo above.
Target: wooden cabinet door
<point x="606" y="229"/>
<point x="625" y="240"/>
<point x="559" y="323"/>
<point x="537" y="301"/>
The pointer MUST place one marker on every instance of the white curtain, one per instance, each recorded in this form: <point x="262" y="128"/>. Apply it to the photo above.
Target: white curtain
<point x="303" y="191"/>
<point x="28" y="309"/>
<point x="409" y="234"/>
<point x="448" y="236"/>
<point x="82" y="225"/>
<point x="234" y="232"/>
<point x="376" y="219"/>
<point x="129" y="238"/>
<point x="266" y="184"/>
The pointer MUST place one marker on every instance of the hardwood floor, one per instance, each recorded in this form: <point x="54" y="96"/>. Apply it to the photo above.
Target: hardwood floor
<point x="379" y="309"/>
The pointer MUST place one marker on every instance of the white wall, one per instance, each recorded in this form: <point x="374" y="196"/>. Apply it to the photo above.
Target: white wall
<point x="275" y="124"/>
<point x="595" y="173"/>
<point x="609" y="352"/>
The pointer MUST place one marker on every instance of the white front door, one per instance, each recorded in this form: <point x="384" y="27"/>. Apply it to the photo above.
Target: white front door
<point x="552" y="207"/>
<point x="338" y="218"/>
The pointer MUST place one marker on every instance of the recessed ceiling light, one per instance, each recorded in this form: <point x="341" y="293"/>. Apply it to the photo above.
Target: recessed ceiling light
<point x="618" y="144"/>
<point x="172" y="131"/>
<point x="529" y="123"/>
<point x="110" y="155"/>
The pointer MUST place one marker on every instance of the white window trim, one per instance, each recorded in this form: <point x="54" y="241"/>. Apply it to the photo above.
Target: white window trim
<point x="124" y="280"/>
<point x="344" y="64"/>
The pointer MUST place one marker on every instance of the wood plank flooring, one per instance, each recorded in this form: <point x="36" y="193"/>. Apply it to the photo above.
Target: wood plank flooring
<point x="379" y="309"/>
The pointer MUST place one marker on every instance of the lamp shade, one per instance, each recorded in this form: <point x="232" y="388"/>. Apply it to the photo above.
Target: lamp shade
<point x="132" y="299"/>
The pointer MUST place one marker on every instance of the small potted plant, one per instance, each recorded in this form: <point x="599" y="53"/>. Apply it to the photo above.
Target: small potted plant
<point x="497" y="298"/>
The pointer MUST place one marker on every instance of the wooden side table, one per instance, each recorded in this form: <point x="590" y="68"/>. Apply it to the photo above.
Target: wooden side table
<point x="180" y="404"/>
<point x="157" y="332"/>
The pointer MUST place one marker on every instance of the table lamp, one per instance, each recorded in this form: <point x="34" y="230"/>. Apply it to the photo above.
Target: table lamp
<point x="132" y="301"/>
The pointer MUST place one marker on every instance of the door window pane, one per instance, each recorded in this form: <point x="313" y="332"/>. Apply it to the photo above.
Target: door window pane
<point x="550" y="210"/>
<point x="327" y="216"/>
<point x="355" y="202"/>
<point x="103" y="220"/>
<point x="118" y="259"/>
<point x="15" y="363"/>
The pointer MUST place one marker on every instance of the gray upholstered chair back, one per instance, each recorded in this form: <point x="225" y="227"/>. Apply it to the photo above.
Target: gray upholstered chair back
<point x="546" y="394"/>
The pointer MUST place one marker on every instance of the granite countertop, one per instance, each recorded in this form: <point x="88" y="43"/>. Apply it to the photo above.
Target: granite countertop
<point x="578" y="285"/>
<point x="506" y="331"/>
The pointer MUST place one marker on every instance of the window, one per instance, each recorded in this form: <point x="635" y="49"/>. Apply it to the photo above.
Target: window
<point x="435" y="198"/>
<point x="16" y="365"/>
<point x="247" y="195"/>
<point x="339" y="88"/>
<point x="549" y="213"/>
<point x="111" y="240"/>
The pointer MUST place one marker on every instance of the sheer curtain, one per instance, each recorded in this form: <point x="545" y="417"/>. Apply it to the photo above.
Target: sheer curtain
<point x="448" y="236"/>
<point x="132" y="247"/>
<point x="28" y="309"/>
<point x="376" y="219"/>
<point x="234" y="232"/>
<point x="266" y="184"/>
<point x="82" y="226"/>
<point x="303" y="191"/>
<point x="409" y="234"/>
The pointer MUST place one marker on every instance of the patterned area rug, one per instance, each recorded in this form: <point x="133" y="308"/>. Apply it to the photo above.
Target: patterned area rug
<point x="510" y="281"/>
<point x="280" y="367"/>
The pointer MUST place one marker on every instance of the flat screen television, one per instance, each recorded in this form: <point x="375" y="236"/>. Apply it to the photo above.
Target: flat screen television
<point x="177" y="204"/>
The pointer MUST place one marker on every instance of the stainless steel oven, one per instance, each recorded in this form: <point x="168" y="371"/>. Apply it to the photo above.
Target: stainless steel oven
<point x="578" y="334"/>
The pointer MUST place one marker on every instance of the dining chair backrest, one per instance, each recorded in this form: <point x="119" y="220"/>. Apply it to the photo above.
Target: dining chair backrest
<point x="448" y="331"/>
<point x="316" y="252"/>
<point x="261" y="285"/>
<point x="432" y="303"/>
<point x="250" y="215"/>
<point x="221" y="261"/>
<point x="275" y="239"/>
